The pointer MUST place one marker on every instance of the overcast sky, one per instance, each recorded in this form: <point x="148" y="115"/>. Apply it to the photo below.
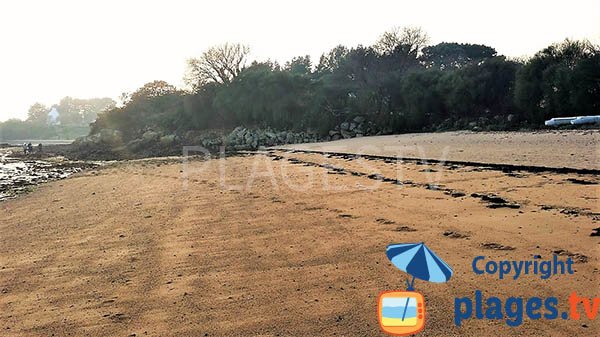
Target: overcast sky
<point x="84" y="49"/>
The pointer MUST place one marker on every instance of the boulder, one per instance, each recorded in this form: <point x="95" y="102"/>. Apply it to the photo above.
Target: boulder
<point x="359" y="119"/>
<point x="110" y="136"/>
<point x="150" y="136"/>
<point x="347" y="134"/>
<point x="167" y="139"/>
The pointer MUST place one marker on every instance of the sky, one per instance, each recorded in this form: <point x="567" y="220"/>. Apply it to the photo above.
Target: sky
<point x="85" y="49"/>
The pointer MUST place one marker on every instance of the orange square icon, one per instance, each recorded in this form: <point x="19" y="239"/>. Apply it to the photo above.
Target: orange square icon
<point x="401" y="312"/>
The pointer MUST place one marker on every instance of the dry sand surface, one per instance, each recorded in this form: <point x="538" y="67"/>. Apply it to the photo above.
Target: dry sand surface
<point x="289" y="244"/>
<point x="568" y="148"/>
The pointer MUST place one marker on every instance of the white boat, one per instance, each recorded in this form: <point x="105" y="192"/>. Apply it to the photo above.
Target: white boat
<point x="586" y="120"/>
<point x="559" y="121"/>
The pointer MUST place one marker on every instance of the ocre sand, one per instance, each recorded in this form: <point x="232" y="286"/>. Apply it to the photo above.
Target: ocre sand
<point x="565" y="148"/>
<point x="126" y="250"/>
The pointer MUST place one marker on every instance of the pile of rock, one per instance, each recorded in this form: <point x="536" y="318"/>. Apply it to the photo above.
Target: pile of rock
<point x="105" y="136"/>
<point x="496" y="122"/>
<point x="250" y="139"/>
<point x="109" y="144"/>
<point x="357" y="127"/>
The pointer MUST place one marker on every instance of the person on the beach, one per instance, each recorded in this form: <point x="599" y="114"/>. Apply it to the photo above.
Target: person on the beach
<point x="29" y="148"/>
<point x="39" y="148"/>
<point x="25" y="148"/>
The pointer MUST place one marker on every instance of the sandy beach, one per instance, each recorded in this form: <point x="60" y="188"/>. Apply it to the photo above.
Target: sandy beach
<point x="553" y="148"/>
<point x="284" y="243"/>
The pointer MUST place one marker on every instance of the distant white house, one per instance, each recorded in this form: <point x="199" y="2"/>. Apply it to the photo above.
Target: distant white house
<point x="53" y="117"/>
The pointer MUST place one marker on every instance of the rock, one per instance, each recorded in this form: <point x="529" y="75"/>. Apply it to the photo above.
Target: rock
<point x="352" y="126"/>
<point x="135" y="145"/>
<point x="333" y="132"/>
<point x="358" y="119"/>
<point x="347" y="134"/>
<point x="110" y="136"/>
<point x="510" y="118"/>
<point x="494" y="199"/>
<point x="345" y="126"/>
<point x="150" y="135"/>
<point x="167" y="140"/>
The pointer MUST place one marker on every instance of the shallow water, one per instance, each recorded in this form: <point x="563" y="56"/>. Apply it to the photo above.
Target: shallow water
<point x="17" y="176"/>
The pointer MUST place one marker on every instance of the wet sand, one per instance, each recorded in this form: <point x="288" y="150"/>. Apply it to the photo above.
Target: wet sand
<point x="283" y="244"/>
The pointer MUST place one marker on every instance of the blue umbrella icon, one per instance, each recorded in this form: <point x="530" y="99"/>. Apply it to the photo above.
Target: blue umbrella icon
<point x="418" y="260"/>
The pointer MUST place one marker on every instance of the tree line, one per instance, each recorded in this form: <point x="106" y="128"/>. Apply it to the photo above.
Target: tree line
<point x="72" y="119"/>
<point x="400" y="84"/>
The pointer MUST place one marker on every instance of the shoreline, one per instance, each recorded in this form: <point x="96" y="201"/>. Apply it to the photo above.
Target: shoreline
<point x="20" y="174"/>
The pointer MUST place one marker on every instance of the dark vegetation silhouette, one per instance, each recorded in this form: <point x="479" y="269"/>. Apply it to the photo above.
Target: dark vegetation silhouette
<point x="400" y="85"/>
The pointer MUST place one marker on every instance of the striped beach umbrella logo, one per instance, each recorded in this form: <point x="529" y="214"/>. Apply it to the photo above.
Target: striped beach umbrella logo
<point x="419" y="261"/>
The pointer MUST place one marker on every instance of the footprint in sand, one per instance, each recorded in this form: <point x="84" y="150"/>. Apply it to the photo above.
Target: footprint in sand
<point x="496" y="246"/>
<point x="577" y="257"/>
<point x="385" y="221"/>
<point x="455" y="235"/>
<point x="404" y="229"/>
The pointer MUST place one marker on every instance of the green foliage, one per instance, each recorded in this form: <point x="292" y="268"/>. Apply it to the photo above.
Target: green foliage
<point x="299" y="65"/>
<point x="79" y="112"/>
<point x="561" y="80"/>
<point x="447" y="56"/>
<point x="155" y="106"/>
<point x="265" y="95"/>
<point x="396" y="85"/>
<point x="38" y="114"/>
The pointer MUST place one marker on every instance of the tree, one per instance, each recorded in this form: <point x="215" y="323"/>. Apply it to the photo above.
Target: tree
<point x="157" y="106"/>
<point x="447" y="56"/>
<point x="300" y="65"/>
<point x="77" y="111"/>
<point x="560" y="80"/>
<point x="93" y="106"/>
<point x="264" y="94"/>
<point x="332" y="60"/>
<point x="412" y="39"/>
<point x="38" y="113"/>
<point x="69" y="111"/>
<point x="220" y="64"/>
<point x="153" y="89"/>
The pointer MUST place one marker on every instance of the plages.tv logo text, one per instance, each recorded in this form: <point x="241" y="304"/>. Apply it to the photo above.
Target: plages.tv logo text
<point x="514" y="309"/>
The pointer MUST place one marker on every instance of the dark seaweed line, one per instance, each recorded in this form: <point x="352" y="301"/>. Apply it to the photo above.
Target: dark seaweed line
<point x="488" y="166"/>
